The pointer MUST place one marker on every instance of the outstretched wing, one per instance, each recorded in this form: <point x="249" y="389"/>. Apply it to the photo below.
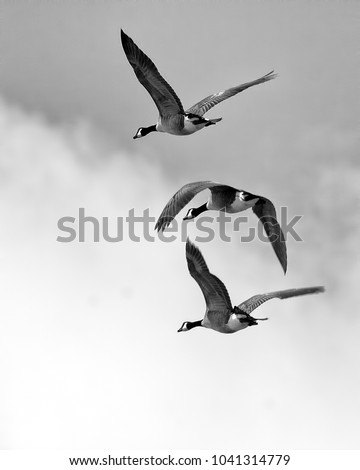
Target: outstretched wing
<point x="215" y="293"/>
<point x="254" y="302"/>
<point x="179" y="201"/>
<point x="265" y="210"/>
<point x="210" y="101"/>
<point x="148" y="75"/>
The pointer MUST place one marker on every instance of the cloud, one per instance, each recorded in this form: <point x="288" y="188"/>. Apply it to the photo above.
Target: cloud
<point x="88" y="330"/>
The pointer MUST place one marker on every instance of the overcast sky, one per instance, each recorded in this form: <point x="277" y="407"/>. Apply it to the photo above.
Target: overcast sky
<point x="90" y="356"/>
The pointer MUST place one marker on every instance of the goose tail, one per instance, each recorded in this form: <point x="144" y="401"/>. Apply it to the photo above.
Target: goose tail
<point x="212" y="121"/>
<point x="254" y="321"/>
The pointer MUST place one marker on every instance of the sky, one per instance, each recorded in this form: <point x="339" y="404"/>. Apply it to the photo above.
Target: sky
<point x="90" y="356"/>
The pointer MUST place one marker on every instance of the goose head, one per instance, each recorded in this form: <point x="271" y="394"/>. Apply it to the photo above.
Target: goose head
<point x="184" y="327"/>
<point x="190" y="215"/>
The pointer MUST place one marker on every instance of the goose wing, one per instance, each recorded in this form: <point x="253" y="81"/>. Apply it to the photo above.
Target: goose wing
<point x="148" y="75"/>
<point x="266" y="212"/>
<point x="254" y="302"/>
<point x="179" y="201"/>
<point x="210" y="101"/>
<point x="215" y="293"/>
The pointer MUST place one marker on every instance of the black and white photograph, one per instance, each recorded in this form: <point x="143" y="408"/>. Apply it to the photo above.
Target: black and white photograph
<point x="179" y="261"/>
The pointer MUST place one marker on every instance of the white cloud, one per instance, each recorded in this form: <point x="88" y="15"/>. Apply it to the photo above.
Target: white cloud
<point x="91" y="357"/>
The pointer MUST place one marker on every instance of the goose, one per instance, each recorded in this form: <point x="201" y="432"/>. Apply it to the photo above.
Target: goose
<point x="227" y="199"/>
<point x="220" y="315"/>
<point x="172" y="117"/>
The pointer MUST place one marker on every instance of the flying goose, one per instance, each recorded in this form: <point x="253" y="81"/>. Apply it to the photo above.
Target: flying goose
<point x="227" y="199"/>
<point x="220" y="315"/>
<point x="172" y="117"/>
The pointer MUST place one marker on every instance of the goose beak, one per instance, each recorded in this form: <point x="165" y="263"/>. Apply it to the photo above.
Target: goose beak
<point x="135" y="136"/>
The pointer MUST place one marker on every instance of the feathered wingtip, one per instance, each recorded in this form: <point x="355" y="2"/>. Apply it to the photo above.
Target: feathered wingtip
<point x="162" y="223"/>
<point x="316" y="290"/>
<point x="265" y="211"/>
<point x="269" y="76"/>
<point x="194" y="258"/>
<point x="127" y="43"/>
<point x="123" y="37"/>
<point x="300" y="291"/>
<point x="190" y="248"/>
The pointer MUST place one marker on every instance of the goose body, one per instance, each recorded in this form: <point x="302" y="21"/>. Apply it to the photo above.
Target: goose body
<point x="220" y="315"/>
<point x="185" y="124"/>
<point x="228" y="199"/>
<point x="231" y="200"/>
<point x="173" y="119"/>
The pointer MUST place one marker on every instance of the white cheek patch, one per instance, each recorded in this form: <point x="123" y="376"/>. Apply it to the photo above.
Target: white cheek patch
<point x="234" y="324"/>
